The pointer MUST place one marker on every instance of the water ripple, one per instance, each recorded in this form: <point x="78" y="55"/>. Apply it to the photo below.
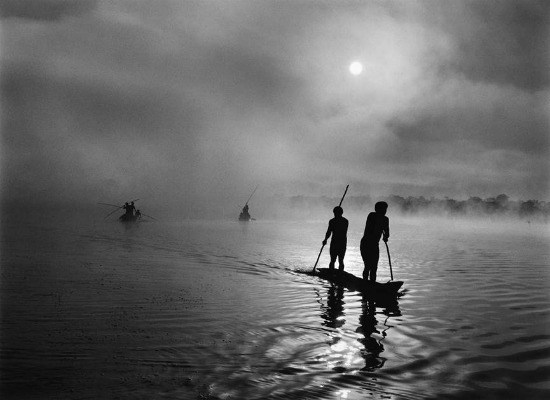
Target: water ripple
<point x="219" y="311"/>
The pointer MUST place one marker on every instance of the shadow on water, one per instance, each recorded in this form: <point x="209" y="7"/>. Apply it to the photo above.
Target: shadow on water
<point x="371" y="336"/>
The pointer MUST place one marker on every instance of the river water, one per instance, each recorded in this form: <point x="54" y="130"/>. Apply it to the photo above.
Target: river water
<point x="222" y="310"/>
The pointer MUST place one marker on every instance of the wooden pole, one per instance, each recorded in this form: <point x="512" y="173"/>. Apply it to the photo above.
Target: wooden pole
<point x="251" y="195"/>
<point x="339" y="205"/>
<point x="112" y="212"/>
<point x="389" y="260"/>
<point x="319" y="256"/>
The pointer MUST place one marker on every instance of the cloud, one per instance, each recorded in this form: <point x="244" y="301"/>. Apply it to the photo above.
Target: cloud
<point x="500" y="42"/>
<point x="492" y="116"/>
<point x="192" y="101"/>
<point x="45" y="10"/>
<point x="506" y="43"/>
<point x="67" y="138"/>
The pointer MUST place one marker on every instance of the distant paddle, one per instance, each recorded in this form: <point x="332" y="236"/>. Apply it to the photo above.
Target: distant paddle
<point x="111" y="213"/>
<point x="108" y="204"/>
<point x="145" y="215"/>
<point x="117" y="208"/>
<point x="323" y="246"/>
<point x="251" y="195"/>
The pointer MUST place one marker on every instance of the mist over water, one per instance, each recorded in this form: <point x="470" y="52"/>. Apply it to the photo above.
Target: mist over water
<point x="219" y="309"/>
<point x="190" y="105"/>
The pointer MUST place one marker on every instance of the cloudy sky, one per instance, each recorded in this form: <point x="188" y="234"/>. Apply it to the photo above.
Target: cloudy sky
<point x="195" y="102"/>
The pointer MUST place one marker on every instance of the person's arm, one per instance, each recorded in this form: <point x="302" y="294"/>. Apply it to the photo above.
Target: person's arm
<point x="329" y="231"/>
<point x="386" y="232"/>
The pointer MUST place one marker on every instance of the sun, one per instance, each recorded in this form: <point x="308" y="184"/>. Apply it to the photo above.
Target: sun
<point x="355" y="68"/>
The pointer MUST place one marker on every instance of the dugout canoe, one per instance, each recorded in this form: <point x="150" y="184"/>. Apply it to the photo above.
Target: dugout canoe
<point x="128" y="218"/>
<point x="353" y="282"/>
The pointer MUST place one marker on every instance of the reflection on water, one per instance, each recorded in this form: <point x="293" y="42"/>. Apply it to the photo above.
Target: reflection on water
<point x="334" y="308"/>
<point x="216" y="310"/>
<point x="341" y="354"/>
<point x="368" y="324"/>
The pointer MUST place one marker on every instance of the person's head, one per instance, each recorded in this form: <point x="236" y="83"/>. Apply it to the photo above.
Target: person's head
<point x="381" y="207"/>
<point x="338" y="211"/>
<point x="132" y="203"/>
<point x="126" y="203"/>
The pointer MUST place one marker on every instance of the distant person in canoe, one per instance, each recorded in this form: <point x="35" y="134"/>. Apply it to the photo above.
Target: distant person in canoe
<point x="138" y="214"/>
<point x="245" y="215"/>
<point x="127" y="209"/>
<point x="338" y="228"/>
<point x="377" y="226"/>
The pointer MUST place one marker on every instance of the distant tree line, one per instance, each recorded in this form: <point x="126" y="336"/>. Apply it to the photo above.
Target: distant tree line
<point x="498" y="206"/>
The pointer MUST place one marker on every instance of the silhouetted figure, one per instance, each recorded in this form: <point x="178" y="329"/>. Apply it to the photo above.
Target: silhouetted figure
<point x="244" y="215"/>
<point x="338" y="227"/>
<point x="132" y="208"/>
<point x="127" y="209"/>
<point x="377" y="225"/>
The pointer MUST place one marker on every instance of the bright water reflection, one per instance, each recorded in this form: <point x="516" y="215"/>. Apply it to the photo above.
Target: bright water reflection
<point x="219" y="310"/>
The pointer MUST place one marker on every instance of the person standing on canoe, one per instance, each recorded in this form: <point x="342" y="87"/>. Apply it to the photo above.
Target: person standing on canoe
<point x="131" y="209"/>
<point x="338" y="227"/>
<point x="127" y="209"/>
<point x="377" y="226"/>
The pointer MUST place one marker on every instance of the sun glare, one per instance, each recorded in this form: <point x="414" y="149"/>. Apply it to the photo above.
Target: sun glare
<point x="356" y="68"/>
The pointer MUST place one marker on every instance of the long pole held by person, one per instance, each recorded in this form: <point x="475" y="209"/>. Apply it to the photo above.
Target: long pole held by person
<point x="389" y="261"/>
<point x="323" y="246"/>
<point x="251" y="195"/>
<point x="117" y="207"/>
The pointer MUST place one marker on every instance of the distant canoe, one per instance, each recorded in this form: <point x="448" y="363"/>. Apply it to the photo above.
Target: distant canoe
<point x="353" y="282"/>
<point x="128" y="218"/>
<point x="245" y="217"/>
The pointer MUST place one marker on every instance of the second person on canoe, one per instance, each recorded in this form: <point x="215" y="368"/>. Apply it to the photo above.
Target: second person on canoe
<point x="376" y="227"/>
<point x="338" y="227"/>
